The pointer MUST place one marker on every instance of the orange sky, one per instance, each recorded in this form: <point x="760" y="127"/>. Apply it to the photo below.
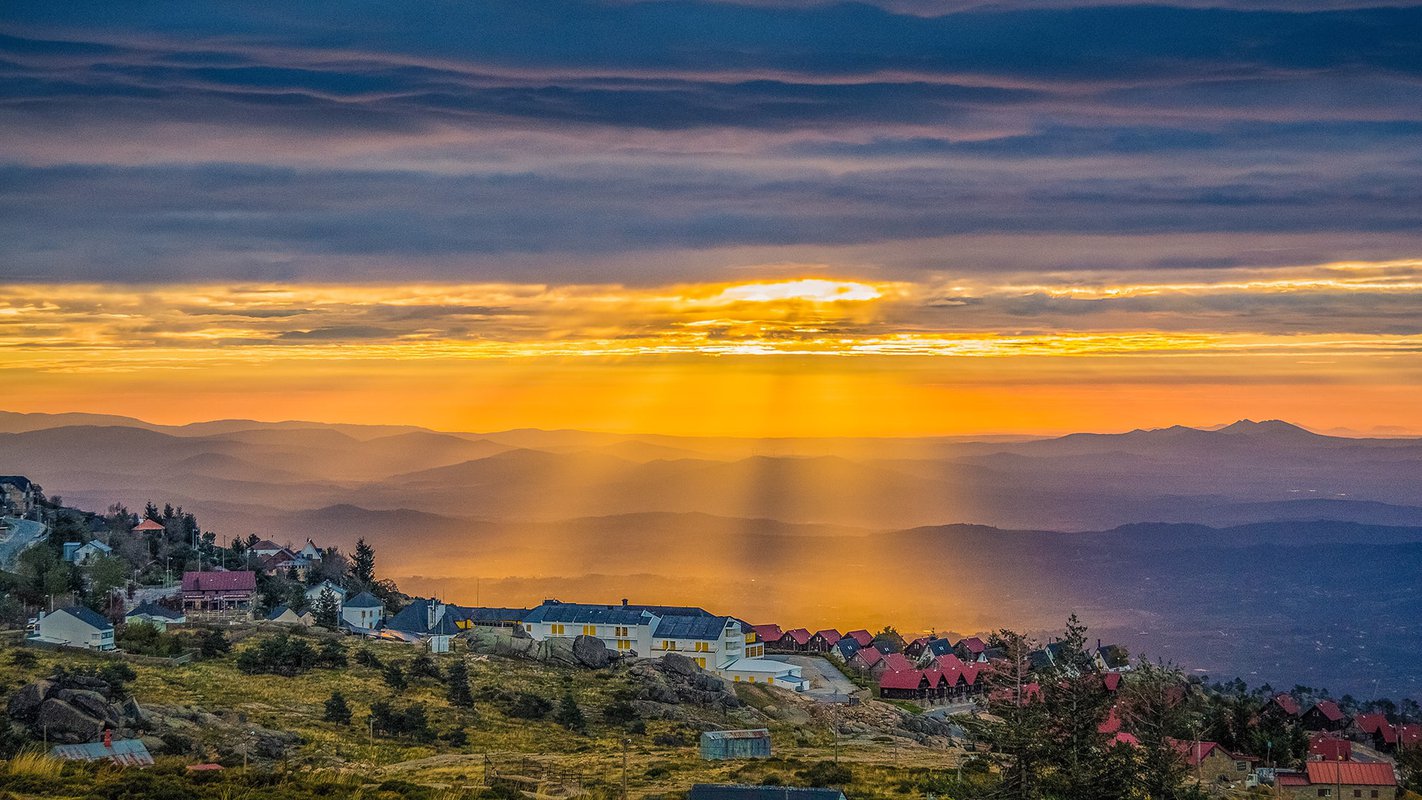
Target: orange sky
<point x="813" y="357"/>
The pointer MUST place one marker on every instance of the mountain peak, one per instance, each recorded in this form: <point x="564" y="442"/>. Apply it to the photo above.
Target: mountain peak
<point x="1273" y="427"/>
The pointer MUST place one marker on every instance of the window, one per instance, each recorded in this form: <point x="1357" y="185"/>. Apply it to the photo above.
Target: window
<point x="1324" y="792"/>
<point x="770" y="680"/>
<point x="623" y="644"/>
<point x="1357" y="792"/>
<point x="556" y="629"/>
<point x="703" y="647"/>
<point x="701" y="662"/>
<point x="668" y="644"/>
<point x="589" y="630"/>
<point x="528" y="626"/>
<point x="737" y="678"/>
<point x="622" y="631"/>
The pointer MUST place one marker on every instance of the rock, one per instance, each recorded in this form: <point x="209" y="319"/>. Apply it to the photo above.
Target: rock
<point x="25" y="703"/>
<point x="592" y="652"/>
<point x="90" y="702"/>
<point x="65" y="724"/>
<point x="557" y="650"/>
<point x="679" y="664"/>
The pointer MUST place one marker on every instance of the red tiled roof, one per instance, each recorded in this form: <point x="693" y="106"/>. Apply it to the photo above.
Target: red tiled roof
<point x="974" y="645"/>
<point x="829" y="635"/>
<point x="920" y="641"/>
<point x="1329" y="710"/>
<point x="868" y="656"/>
<point x="1287" y="702"/>
<point x="901" y="679"/>
<point x="949" y="661"/>
<point x="862" y="636"/>
<point x="1112" y="681"/>
<point x="148" y="525"/>
<point x="897" y="662"/>
<point x="266" y="544"/>
<point x="798" y="635"/>
<point x="1376" y="724"/>
<point x="768" y="633"/>
<point x="245" y="580"/>
<point x="1291" y="779"/>
<point x="1351" y="773"/>
<point x="1409" y="735"/>
<point x="1330" y="748"/>
<point x="970" y="673"/>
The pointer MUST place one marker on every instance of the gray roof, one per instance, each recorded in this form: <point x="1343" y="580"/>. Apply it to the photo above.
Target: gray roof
<point x="586" y="614"/>
<point x="18" y="481"/>
<point x="414" y="619"/>
<point x="88" y="615"/>
<point x="121" y="751"/>
<point x="150" y="609"/>
<point x="364" y="600"/>
<point x="279" y="610"/>
<point x="709" y="791"/>
<point x="679" y="627"/>
<point x="491" y="614"/>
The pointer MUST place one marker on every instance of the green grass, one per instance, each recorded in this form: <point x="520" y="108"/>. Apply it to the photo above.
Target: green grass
<point x="348" y="753"/>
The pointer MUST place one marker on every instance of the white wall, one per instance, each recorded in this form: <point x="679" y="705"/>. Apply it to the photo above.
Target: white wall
<point x="61" y="627"/>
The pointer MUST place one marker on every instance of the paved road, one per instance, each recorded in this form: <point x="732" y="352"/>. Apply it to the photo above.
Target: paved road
<point x="21" y="533"/>
<point x="827" y="683"/>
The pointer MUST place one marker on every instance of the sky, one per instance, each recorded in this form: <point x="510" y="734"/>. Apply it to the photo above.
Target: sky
<point x="754" y="218"/>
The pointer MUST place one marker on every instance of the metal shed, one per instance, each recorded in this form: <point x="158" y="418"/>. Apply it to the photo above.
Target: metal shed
<point x="722" y="745"/>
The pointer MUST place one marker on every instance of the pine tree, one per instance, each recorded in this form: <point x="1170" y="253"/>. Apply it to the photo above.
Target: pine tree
<point x="364" y="566"/>
<point x="395" y="677"/>
<point x="1016" y="730"/>
<point x="328" y="612"/>
<point x="457" y="679"/>
<point x="569" y="715"/>
<point x="336" y="709"/>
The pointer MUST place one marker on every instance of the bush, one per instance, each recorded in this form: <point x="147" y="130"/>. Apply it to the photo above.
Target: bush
<point x="409" y="722"/>
<point x="23" y="658"/>
<point x="569" y="715"/>
<point x="422" y="666"/>
<point x="331" y="655"/>
<point x="213" y="644"/>
<point x="395" y="678"/>
<point x="525" y="705"/>
<point x="458" y="683"/>
<point x="827" y="773"/>
<point x="365" y="658"/>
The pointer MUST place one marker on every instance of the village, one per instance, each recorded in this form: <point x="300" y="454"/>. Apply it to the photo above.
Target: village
<point x="1316" y="747"/>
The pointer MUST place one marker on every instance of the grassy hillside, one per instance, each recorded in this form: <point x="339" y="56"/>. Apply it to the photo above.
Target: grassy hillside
<point x="661" y="754"/>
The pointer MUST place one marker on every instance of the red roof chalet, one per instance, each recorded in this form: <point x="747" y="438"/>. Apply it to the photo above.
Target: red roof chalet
<point x="148" y="525"/>
<point x="799" y="636"/>
<point x="974" y="645"/>
<point x="1329" y="710"/>
<point x="1323" y="747"/>
<point x="867" y="657"/>
<point x="219" y="590"/>
<point x="768" y="633"/>
<point x="897" y="662"/>
<point x="862" y="636"/>
<point x="829" y="636"/>
<point x="1196" y="752"/>
<point x="1287" y="704"/>
<point x="902" y="679"/>
<point x="1377" y="726"/>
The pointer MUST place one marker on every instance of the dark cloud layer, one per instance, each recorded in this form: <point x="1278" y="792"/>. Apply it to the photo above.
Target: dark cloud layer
<point x="627" y="141"/>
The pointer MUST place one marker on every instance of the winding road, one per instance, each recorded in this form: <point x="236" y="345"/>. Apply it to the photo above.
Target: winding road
<point x="20" y="533"/>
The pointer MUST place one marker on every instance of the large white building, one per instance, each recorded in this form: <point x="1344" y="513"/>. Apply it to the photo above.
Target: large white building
<point x="76" y="627"/>
<point x="721" y="645"/>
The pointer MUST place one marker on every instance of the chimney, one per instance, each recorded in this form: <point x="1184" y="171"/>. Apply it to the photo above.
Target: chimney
<point x="1098" y="644"/>
<point x="430" y="617"/>
<point x="109" y="738"/>
<point x="624" y="601"/>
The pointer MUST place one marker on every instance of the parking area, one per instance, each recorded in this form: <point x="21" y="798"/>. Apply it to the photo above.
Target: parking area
<point x="827" y="683"/>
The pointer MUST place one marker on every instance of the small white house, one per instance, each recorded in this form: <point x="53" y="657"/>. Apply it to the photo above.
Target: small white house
<point x="75" y="626"/>
<point x="364" y="611"/>
<point x="310" y="552"/>
<point x="153" y="614"/>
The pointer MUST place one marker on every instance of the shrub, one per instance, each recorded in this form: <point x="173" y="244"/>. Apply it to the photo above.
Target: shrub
<point x="422" y="666"/>
<point x="331" y="655"/>
<point x="409" y="722"/>
<point x="525" y="705"/>
<point x="365" y="658"/>
<point x="458" y="683"/>
<point x="395" y="677"/>
<point x="278" y="655"/>
<point x="569" y="715"/>
<point x="827" y="773"/>
<point x="336" y="709"/>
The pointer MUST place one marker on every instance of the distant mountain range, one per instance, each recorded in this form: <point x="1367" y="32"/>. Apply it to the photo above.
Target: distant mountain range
<point x="1257" y="548"/>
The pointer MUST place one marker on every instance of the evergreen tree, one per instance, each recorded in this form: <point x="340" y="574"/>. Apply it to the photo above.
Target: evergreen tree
<point x="422" y="666"/>
<point x="328" y="611"/>
<point x="395" y="677"/>
<point x="336" y="709"/>
<point x="1017" y="729"/>
<point x="569" y="715"/>
<point x="457" y="679"/>
<point x="150" y="511"/>
<point x="364" y="566"/>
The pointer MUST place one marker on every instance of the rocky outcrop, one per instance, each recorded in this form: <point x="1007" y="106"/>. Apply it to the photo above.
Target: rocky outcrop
<point x="587" y="652"/>
<point x="674" y="680"/>
<point x="592" y="652"/>
<point x="62" y="723"/>
<point x="72" y="709"/>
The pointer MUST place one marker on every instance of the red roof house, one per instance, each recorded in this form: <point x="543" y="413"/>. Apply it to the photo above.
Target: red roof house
<point x="219" y="591"/>
<point x="1409" y="735"/>
<point x="1285" y="703"/>
<point x="897" y="662"/>
<point x="862" y="636"/>
<point x="866" y="659"/>
<point x="1325" y="747"/>
<point x="1325" y="715"/>
<point x="973" y="645"/>
<point x="147" y="526"/>
<point x="1349" y="774"/>
<point x="768" y="633"/>
<point x="796" y="639"/>
<point x="823" y="640"/>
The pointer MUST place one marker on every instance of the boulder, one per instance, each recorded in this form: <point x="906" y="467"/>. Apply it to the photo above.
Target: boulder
<point x="25" y="703"/>
<point x="65" y="724"/>
<point x="678" y="664"/>
<point x="557" y="650"/>
<point x="591" y="652"/>
<point x="90" y="702"/>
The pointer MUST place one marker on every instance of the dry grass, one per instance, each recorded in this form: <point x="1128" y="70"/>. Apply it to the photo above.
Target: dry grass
<point x="34" y="764"/>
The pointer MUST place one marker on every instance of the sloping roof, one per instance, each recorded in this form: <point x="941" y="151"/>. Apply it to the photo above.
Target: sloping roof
<point x="1371" y="723"/>
<point x="868" y="656"/>
<point x="862" y="636"/>
<point x="897" y="662"/>
<point x="98" y="545"/>
<point x="266" y="544"/>
<point x="768" y="633"/>
<point x="1330" y="748"/>
<point x="1287" y="704"/>
<point x="699" y="628"/>
<point x="828" y="636"/>
<point x="901" y="679"/>
<point x="709" y="791"/>
<point x="326" y="586"/>
<point x="18" y="481"/>
<point x="234" y="581"/>
<point x="486" y="614"/>
<point x="1112" y="681"/>
<point x="1114" y="656"/>
<point x="1351" y="773"/>
<point x="1328" y="709"/>
<point x="1409" y="735"/>
<point x="847" y="647"/>
<point x="940" y="647"/>
<point x="148" y="525"/>
<point x="949" y="661"/>
<point x="585" y="614"/>
<point x="797" y="635"/>
<point x="280" y="610"/>
<point x="150" y="609"/>
<point x="364" y="600"/>
<point x="129" y="752"/>
<point x="973" y="644"/>
<point x="86" y="615"/>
